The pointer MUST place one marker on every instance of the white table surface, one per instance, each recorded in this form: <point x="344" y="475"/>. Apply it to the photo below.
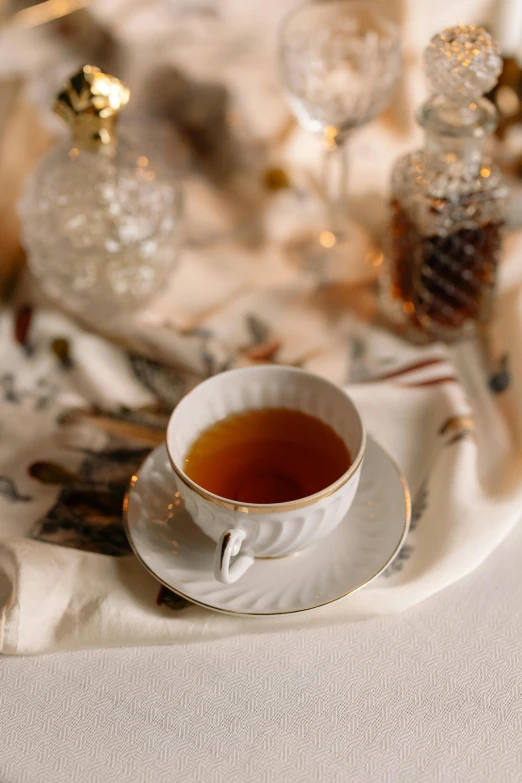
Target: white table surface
<point x="432" y="695"/>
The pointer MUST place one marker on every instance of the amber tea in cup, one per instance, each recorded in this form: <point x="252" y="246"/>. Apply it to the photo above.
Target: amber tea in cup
<point x="267" y="455"/>
<point x="267" y="461"/>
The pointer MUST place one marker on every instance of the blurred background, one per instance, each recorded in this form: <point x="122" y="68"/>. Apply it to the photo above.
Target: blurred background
<point x="205" y="88"/>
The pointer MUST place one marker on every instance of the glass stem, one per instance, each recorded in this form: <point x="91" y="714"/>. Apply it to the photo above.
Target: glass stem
<point x="335" y="181"/>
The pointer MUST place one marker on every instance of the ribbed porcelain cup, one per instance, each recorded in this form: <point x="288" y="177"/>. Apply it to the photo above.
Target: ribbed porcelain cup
<point x="244" y="531"/>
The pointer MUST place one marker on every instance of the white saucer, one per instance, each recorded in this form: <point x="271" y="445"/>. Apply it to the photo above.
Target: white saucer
<point x="175" y="551"/>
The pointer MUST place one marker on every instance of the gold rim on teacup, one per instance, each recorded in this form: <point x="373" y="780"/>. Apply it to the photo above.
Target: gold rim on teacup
<point x="269" y="508"/>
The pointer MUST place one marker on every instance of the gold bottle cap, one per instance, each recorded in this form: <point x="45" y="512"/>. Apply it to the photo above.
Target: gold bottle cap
<point x="90" y="104"/>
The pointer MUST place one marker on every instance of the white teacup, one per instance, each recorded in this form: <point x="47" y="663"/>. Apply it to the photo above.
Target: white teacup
<point x="247" y="530"/>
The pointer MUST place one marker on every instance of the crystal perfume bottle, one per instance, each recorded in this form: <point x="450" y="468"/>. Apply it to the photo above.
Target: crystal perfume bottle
<point x="448" y="199"/>
<point x="100" y="221"/>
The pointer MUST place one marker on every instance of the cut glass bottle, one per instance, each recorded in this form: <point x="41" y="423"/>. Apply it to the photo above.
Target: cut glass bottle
<point x="448" y="199"/>
<point x="100" y="221"/>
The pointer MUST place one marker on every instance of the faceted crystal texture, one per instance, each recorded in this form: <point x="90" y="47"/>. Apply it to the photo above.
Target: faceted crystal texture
<point x="337" y="66"/>
<point x="101" y="227"/>
<point x="462" y="62"/>
<point x="446" y="231"/>
<point x="448" y="200"/>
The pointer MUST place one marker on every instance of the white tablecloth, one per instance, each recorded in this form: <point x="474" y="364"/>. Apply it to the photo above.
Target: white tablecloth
<point x="433" y="695"/>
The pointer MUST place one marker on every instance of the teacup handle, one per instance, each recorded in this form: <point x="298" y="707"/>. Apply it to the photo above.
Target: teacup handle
<point x="229" y="564"/>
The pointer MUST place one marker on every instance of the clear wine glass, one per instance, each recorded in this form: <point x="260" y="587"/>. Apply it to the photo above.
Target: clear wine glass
<point x="339" y="61"/>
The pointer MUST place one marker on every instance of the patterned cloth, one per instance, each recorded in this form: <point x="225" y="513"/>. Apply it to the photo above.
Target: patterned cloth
<point x="78" y="414"/>
<point x="81" y="406"/>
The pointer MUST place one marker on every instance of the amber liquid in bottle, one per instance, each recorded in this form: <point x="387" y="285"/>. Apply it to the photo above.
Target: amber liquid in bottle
<point x="446" y="279"/>
<point x="448" y="197"/>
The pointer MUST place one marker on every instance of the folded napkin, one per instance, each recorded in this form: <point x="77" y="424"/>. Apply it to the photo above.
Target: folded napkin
<point x="78" y="414"/>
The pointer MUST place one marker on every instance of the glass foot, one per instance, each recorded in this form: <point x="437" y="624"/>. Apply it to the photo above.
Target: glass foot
<point x="346" y="256"/>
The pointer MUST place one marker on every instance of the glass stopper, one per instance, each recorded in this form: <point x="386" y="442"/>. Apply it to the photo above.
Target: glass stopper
<point x="462" y="62"/>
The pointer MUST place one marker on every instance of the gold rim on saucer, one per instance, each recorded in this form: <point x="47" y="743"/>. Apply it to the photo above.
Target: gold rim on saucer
<point x="389" y="559"/>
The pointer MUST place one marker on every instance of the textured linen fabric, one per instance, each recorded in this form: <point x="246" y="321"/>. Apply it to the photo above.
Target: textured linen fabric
<point x="432" y="695"/>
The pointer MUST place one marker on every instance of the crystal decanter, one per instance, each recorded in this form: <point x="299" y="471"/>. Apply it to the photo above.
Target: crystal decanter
<point x="100" y="221"/>
<point x="448" y="199"/>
